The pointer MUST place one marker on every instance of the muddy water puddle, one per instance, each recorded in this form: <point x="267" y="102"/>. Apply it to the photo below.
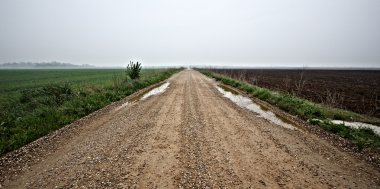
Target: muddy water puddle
<point x="145" y="95"/>
<point x="358" y="125"/>
<point x="228" y="89"/>
<point x="247" y="103"/>
<point x="122" y="106"/>
<point x="354" y="125"/>
<point x="156" y="91"/>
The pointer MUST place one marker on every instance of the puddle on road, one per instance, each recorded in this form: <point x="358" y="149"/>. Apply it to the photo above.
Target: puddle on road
<point x="144" y="95"/>
<point x="228" y="89"/>
<point x="122" y="106"/>
<point x="357" y="125"/>
<point x="354" y="125"/>
<point x="156" y="91"/>
<point x="245" y="102"/>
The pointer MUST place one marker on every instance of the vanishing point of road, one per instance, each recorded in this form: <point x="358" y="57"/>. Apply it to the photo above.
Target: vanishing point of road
<point x="190" y="136"/>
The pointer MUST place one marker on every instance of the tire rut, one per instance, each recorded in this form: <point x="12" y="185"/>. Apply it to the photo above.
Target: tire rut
<point x="200" y="169"/>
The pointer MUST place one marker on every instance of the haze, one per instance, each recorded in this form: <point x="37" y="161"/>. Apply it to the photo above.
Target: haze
<point x="338" y="33"/>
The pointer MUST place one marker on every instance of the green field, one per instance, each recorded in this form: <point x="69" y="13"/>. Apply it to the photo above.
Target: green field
<point x="34" y="103"/>
<point x="15" y="80"/>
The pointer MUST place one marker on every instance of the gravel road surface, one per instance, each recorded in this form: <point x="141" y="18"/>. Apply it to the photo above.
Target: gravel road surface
<point x="190" y="136"/>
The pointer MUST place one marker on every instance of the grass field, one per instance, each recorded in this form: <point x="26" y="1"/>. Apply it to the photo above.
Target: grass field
<point x="34" y="103"/>
<point x="15" y="80"/>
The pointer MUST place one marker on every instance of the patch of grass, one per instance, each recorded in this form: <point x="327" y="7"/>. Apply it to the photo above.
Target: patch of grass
<point x="34" y="103"/>
<point x="312" y="112"/>
<point x="362" y="138"/>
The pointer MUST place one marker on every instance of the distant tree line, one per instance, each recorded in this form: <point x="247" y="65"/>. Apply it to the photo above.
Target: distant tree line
<point x="41" y="65"/>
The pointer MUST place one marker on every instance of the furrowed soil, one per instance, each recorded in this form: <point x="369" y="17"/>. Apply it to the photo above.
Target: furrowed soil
<point x="187" y="137"/>
<point x="355" y="90"/>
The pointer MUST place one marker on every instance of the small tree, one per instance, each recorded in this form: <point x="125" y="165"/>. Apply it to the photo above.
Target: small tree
<point x="133" y="70"/>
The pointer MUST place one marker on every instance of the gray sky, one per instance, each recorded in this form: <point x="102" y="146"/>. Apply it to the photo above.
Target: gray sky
<point x="197" y="32"/>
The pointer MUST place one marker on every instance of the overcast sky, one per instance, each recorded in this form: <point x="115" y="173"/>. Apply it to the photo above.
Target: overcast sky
<point x="196" y="32"/>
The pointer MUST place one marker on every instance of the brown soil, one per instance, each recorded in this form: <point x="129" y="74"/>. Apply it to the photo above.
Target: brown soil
<point x="355" y="90"/>
<point x="188" y="137"/>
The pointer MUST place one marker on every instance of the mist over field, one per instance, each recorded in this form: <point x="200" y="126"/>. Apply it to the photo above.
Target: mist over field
<point x="340" y="33"/>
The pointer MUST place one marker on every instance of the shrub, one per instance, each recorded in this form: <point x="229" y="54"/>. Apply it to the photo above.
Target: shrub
<point x="133" y="70"/>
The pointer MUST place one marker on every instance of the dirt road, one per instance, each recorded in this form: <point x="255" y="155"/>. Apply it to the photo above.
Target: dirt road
<point x="187" y="137"/>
